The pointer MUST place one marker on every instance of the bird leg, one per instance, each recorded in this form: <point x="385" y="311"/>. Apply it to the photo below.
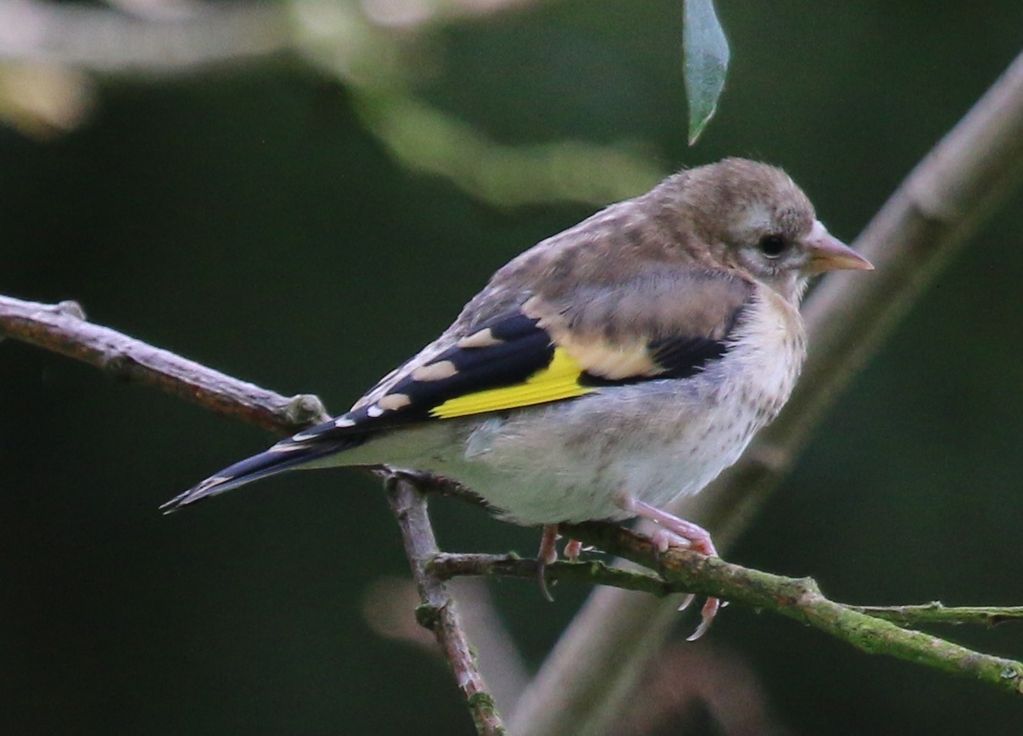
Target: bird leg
<point x="547" y="555"/>
<point x="572" y="549"/>
<point x="678" y="532"/>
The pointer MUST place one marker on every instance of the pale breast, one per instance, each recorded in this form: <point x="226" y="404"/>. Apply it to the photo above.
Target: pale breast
<point x="768" y="353"/>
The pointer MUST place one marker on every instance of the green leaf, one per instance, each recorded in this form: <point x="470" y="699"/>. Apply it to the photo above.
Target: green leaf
<point x="705" y="49"/>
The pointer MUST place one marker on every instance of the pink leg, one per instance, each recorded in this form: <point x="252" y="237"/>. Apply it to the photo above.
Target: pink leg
<point x="674" y="530"/>
<point x="547" y="555"/>
<point x="572" y="549"/>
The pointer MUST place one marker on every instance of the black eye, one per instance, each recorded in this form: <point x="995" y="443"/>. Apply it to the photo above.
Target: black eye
<point x="772" y="246"/>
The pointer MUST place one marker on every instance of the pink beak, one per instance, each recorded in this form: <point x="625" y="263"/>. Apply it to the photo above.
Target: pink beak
<point x="828" y="253"/>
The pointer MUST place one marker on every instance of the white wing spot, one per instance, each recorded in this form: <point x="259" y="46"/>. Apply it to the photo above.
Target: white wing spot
<point x="375" y="411"/>
<point x="435" y="371"/>
<point x="213" y="482"/>
<point x="391" y="402"/>
<point x="287" y="446"/>
<point x="482" y="339"/>
<point x="342" y="422"/>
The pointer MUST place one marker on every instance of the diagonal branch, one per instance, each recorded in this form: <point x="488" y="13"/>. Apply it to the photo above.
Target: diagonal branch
<point x="62" y="328"/>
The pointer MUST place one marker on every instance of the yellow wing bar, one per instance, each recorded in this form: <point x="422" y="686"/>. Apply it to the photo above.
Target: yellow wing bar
<point x="558" y="381"/>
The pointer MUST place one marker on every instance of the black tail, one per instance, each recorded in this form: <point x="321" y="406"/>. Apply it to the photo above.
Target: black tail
<point x="277" y="459"/>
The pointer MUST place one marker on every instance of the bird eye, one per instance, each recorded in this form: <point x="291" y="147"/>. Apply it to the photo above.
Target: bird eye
<point x="772" y="246"/>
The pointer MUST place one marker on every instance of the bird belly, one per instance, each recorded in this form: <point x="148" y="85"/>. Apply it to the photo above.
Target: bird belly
<point x="572" y="461"/>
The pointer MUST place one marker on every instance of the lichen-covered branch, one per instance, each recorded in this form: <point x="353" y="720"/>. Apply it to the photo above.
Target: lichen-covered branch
<point x="802" y="600"/>
<point x="877" y="630"/>
<point x="446" y="565"/>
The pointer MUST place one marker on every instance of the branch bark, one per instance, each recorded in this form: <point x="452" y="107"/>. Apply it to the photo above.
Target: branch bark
<point x="448" y="565"/>
<point x="62" y="328"/>
<point x="943" y="200"/>
<point x="796" y="598"/>
<point x="438" y="612"/>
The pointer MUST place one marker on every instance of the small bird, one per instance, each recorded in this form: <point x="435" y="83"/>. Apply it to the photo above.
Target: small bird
<point x="605" y="371"/>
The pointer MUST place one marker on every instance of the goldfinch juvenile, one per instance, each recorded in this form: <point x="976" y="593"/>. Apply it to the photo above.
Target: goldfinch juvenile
<point x="608" y="369"/>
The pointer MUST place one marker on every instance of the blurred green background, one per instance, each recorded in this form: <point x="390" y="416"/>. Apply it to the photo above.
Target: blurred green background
<point x="246" y="216"/>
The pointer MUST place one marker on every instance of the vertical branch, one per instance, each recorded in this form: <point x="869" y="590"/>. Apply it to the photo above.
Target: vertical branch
<point x="437" y="611"/>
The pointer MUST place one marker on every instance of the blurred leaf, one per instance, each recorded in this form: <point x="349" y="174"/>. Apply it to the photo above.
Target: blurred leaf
<point x="706" y="63"/>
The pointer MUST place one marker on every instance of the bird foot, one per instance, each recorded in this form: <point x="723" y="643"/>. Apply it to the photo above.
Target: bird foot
<point x="572" y="549"/>
<point x="676" y="532"/>
<point x="548" y="555"/>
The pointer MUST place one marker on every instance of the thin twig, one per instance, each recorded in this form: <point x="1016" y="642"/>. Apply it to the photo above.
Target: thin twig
<point x="938" y="613"/>
<point x="447" y="565"/>
<point x="437" y="611"/>
<point x="943" y="201"/>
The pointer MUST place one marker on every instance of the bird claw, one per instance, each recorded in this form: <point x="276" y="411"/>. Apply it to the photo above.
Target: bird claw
<point x="547" y="555"/>
<point x="686" y="602"/>
<point x="675" y="532"/>
<point x="541" y="578"/>
<point x="707" y="613"/>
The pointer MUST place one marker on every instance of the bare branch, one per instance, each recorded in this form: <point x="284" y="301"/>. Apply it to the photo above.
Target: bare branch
<point x="938" y="613"/>
<point x="945" y="198"/>
<point x="448" y="565"/>
<point x="437" y="611"/>
<point x="62" y="329"/>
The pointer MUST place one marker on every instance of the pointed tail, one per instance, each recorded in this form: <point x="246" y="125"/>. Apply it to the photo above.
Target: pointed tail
<point x="278" y="459"/>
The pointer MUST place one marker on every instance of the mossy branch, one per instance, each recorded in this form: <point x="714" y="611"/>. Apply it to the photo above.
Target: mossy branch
<point x="876" y="630"/>
<point x="448" y="565"/>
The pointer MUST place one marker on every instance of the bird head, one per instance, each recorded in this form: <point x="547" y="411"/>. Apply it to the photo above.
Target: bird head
<point x="753" y="217"/>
